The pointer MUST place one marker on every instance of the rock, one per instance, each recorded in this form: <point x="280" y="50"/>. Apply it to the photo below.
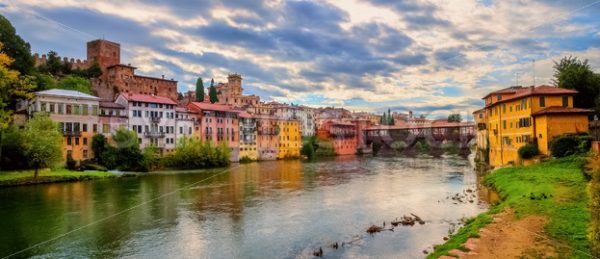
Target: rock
<point x="425" y="252"/>
<point x="445" y="238"/>
<point x="374" y="229"/>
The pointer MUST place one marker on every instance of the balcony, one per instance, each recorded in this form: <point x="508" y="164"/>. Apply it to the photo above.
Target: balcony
<point x="148" y="134"/>
<point x="71" y="133"/>
<point x="155" y="119"/>
<point x="248" y="130"/>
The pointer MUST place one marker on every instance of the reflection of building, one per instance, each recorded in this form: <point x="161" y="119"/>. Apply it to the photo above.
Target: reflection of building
<point x="77" y="114"/>
<point x="218" y="124"/>
<point x="343" y="135"/>
<point x="152" y="118"/>
<point x="248" y="146"/>
<point x="521" y="115"/>
<point x="116" y="77"/>
<point x="290" y="139"/>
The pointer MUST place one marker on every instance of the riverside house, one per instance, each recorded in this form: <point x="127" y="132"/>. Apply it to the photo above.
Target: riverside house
<point x="77" y="115"/>
<point x="152" y="118"/>
<point x="343" y="135"/>
<point x="248" y="146"/>
<point x="218" y="124"/>
<point x="520" y="115"/>
<point x="290" y="139"/>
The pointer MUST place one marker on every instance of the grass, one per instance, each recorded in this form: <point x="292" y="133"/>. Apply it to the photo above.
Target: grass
<point x="522" y="188"/>
<point x="12" y="178"/>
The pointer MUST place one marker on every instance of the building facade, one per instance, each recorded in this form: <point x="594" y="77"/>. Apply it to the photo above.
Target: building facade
<point x="218" y="124"/>
<point x="152" y="118"/>
<point x="290" y="139"/>
<point x="231" y="93"/>
<point x="267" y="137"/>
<point x="248" y="136"/>
<point x="77" y="115"/>
<point x="529" y="115"/>
<point x="112" y="117"/>
<point x="344" y="136"/>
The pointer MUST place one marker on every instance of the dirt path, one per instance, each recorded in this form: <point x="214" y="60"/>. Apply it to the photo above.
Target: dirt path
<point x="508" y="237"/>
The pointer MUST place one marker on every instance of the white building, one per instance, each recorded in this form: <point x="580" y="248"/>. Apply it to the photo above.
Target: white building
<point x="304" y="115"/>
<point x="77" y="115"/>
<point x="152" y="117"/>
<point x="185" y="123"/>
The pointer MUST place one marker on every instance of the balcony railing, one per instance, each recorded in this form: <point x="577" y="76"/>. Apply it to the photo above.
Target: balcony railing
<point x="248" y="130"/>
<point x="155" y="119"/>
<point x="149" y="134"/>
<point x="71" y="133"/>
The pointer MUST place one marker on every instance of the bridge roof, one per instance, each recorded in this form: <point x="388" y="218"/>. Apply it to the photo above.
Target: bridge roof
<point x="436" y="124"/>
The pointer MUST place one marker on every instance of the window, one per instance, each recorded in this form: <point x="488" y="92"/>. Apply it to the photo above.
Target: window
<point x="85" y="154"/>
<point x="504" y="124"/>
<point x="180" y="130"/>
<point x="51" y="108"/>
<point x="499" y="98"/>
<point x="95" y="128"/>
<point x="61" y="108"/>
<point x="504" y="108"/>
<point x="105" y="128"/>
<point x="542" y="101"/>
<point x="85" y="141"/>
<point x="69" y="142"/>
<point x="84" y="110"/>
<point x="565" y="101"/>
<point x="68" y="109"/>
<point x="84" y="127"/>
<point x="76" y="141"/>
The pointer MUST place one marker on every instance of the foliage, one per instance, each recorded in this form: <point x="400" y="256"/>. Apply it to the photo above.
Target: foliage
<point x="246" y="159"/>
<point x="13" y="86"/>
<point x="44" y="81"/>
<point x="528" y="151"/>
<point x="455" y="117"/>
<point x="308" y="147"/>
<point x="12" y="149"/>
<point x="399" y="145"/>
<point x="199" y="90"/>
<point x="16" y="48"/>
<point x="150" y="160"/>
<point x="125" y="155"/>
<point x="71" y="163"/>
<point x="42" y="142"/>
<point x="324" y="148"/>
<point x="423" y="146"/>
<point x="99" y="144"/>
<point x="75" y="83"/>
<point x="570" y="144"/>
<point x="387" y="119"/>
<point x="191" y="153"/>
<point x="212" y="92"/>
<point x="53" y="65"/>
<point x="593" y="166"/>
<point x="48" y="175"/>
<point x="573" y="73"/>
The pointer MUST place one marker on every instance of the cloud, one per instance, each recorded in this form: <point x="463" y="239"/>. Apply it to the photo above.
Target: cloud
<point x="428" y="56"/>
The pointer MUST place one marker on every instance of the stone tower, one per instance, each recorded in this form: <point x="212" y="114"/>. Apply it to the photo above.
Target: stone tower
<point x="105" y="53"/>
<point x="234" y="81"/>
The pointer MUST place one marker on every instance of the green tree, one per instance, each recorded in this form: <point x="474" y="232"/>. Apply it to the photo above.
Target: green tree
<point x="200" y="90"/>
<point x="99" y="145"/>
<point x="573" y="73"/>
<point x="76" y="83"/>
<point x="454" y="117"/>
<point x="42" y="142"/>
<point x="16" y="48"/>
<point x="53" y="64"/>
<point x="13" y="86"/>
<point x="93" y="71"/>
<point x="212" y="93"/>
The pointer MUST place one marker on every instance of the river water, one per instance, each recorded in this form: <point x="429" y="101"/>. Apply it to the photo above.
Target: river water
<point x="278" y="209"/>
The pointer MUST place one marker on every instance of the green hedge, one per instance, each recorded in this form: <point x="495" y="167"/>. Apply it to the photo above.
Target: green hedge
<point x="570" y="144"/>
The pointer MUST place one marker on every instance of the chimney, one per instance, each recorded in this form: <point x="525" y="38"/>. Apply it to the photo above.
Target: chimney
<point x="163" y="76"/>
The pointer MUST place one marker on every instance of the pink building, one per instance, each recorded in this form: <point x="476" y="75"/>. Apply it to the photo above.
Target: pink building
<point x="343" y="135"/>
<point x="218" y="123"/>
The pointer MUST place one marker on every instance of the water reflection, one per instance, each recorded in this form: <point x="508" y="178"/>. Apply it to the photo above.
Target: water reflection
<point x="276" y="209"/>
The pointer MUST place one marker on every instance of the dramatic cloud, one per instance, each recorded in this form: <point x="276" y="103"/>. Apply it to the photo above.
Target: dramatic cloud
<point x="432" y="57"/>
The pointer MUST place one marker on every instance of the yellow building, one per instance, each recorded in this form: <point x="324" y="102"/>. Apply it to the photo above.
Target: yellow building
<point x="248" y="146"/>
<point x="520" y="115"/>
<point x="290" y="139"/>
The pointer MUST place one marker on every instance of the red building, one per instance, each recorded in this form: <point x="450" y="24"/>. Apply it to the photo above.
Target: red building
<point x="343" y="135"/>
<point x="218" y="123"/>
<point x="267" y="136"/>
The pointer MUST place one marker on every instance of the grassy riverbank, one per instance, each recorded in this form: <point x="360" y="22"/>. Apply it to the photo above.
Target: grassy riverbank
<point x="25" y="177"/>
<point x="555" y="189"/>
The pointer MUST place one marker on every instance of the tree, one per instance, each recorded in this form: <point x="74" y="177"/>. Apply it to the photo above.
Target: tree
<point x="16" y="48"/>
<point x="573" y="73"/>
<point x="454" y="117"/>
<point x="93" y="71"/>
<point x="212" y="93"/>
<point x="99" y="144"/>
<point x="42" y="142"/>
<point x="13" y="86"/>
<point x="53" y="64"/>
<point x="75" y="83"/>
<point x="200" y="90"/>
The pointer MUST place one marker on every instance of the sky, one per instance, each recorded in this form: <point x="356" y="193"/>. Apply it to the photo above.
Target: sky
<point x="433" y="57"/>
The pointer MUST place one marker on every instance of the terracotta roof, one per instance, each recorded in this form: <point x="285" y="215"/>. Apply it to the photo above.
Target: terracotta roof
<point x="511" y="89"/>
<point x="244" y="114"/>
<point x="210" y="107"/>
<point x="149" y="98"/>
<point x="184" y="109"/>
<point x="422" y="126"/>
<point x="560" y="110"/>
<point x="540" y="90"/>
<point x="113" y="105"/>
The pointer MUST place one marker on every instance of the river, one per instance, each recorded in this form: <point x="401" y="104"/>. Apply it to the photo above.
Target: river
<point x="277" y="209"/>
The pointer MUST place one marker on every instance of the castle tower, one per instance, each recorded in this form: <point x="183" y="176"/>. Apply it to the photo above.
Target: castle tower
<point x="106" y="53"/>
<point x="235" y="84"/>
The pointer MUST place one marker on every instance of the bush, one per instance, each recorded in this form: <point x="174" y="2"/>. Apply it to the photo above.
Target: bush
<point x="570" y="144"/>
<point x="528" y="151"/>
<point x="308" y="150"/>
<point x="246" y="159"/>
<point x="195" y="154"/>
